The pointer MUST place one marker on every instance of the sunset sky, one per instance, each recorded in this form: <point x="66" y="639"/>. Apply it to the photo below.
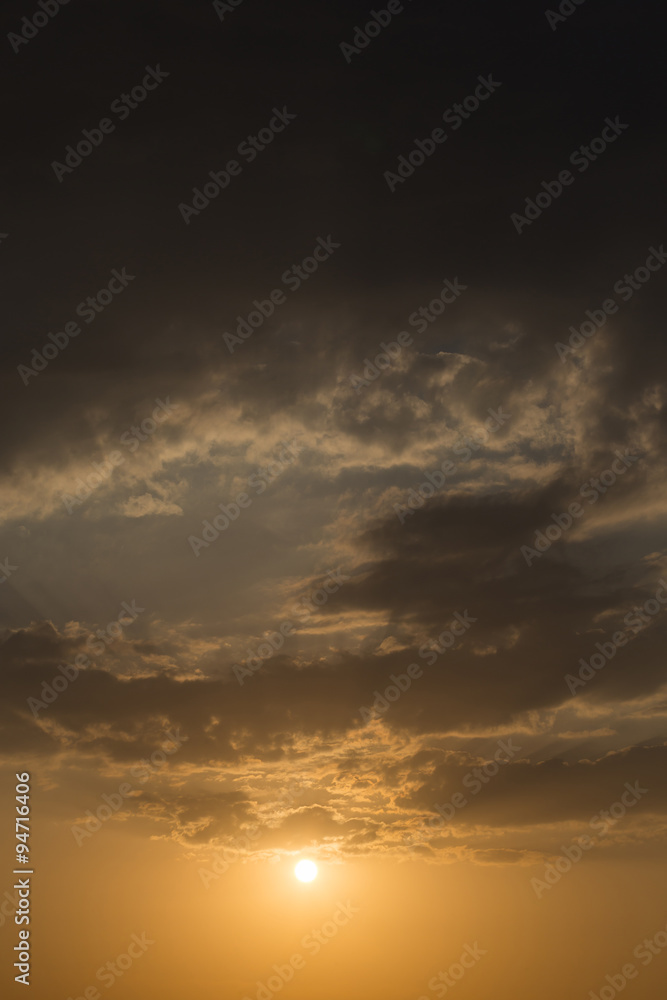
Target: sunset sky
<point x="332" y="520"/>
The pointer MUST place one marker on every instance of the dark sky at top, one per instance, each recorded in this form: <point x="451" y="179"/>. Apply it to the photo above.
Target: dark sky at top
<point x="353" y="121"/>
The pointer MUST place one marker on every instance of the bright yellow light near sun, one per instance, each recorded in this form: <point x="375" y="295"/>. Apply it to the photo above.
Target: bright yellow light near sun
<point x="306" y="871"/>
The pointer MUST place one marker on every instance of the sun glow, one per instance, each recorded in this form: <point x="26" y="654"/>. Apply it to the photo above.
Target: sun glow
<point x="306" y="871"/>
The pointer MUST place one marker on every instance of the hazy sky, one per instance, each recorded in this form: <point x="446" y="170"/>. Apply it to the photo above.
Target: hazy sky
<point x="332" y="498"/>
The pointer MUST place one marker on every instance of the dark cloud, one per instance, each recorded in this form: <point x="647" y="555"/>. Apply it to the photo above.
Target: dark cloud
<point x="363" y="447"/>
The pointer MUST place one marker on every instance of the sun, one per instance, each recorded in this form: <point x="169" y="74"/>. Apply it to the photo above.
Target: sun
<point x="306" y="871"/>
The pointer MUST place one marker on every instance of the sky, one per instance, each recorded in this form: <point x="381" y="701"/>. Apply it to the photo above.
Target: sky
<point x="331" y="527"/>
